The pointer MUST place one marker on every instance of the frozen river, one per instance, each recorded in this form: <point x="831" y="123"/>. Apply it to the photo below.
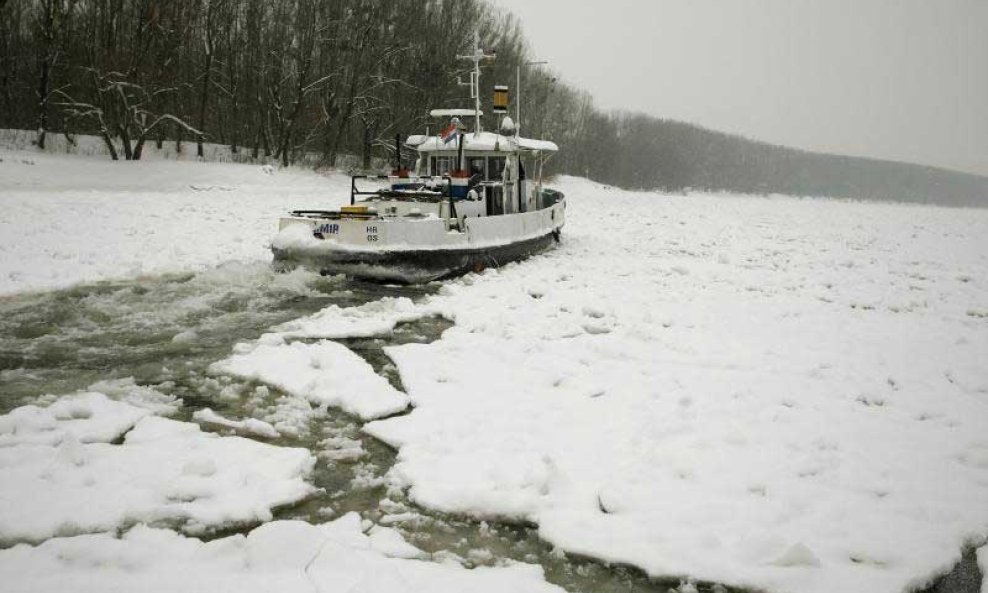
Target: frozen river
<point x="771" y="393"/>
<point x="164" y="332"/>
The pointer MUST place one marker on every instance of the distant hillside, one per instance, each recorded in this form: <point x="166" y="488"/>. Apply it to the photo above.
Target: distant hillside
<point x="642" y="152"/>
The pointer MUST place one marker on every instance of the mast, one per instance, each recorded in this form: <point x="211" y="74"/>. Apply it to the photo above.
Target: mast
<point x="476" y="57"/>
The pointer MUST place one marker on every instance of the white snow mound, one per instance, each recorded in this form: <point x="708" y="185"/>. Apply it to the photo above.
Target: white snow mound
<point x="62" y="475"/>
<point x="250" y="426"/>
<point x="283" y="556"/>
<point x="89" y="417"/>
<point x="323" y="372"/>
<point x="376" y="318"/>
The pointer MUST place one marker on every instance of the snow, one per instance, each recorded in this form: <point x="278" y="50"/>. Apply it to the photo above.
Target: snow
<point x="769" y="392"/>
<point x="63" y="475"/>
<point x="323" y="372"/>
<point x="289" y="415"/>
<point x="486" y="141"/>
<point x="249" y="426"/>
<point x="373" y="319"/>
<point x="389" y="542"/>
<point x="68" y="219"/>
<point x="284" y="556"/>
<point x="786" y="394"/>
<point x="89" y="417"/>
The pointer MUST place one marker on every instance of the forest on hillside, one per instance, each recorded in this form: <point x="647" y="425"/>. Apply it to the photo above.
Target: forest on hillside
<point x="312" y="80"/>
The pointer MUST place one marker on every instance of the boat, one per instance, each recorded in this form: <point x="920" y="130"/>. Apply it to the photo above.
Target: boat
<point x="474" y="199"/>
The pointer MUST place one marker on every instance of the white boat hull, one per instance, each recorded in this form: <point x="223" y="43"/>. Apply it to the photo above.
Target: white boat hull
<point x="414" y="251"/>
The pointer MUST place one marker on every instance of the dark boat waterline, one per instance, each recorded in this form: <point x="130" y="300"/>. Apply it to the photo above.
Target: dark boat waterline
<point x="417" y="266"/>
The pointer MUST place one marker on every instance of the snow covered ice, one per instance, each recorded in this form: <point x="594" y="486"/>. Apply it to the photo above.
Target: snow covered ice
<point x="777" y="393"/>
<point x="326" y="372"/>
<point x="249" y="426"/>
<point x="64" y="473"/>
<point x="284" y="556"/>
<point x="784" y="394"/>
<point x="377" y="318"/>
<point x="102" y="461"/>
<point x="67" y="219"/>
<point x="323" y="373"/>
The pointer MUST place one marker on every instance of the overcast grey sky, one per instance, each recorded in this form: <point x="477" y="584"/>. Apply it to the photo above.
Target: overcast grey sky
<point x="895" y="79"/>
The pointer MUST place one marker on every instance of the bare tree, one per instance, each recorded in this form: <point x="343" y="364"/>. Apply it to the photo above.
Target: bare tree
<point x="284" y="77"/>
<point x="208" y="30"/>
<point x="50" y="22"/>
<point x="124" y="108"/>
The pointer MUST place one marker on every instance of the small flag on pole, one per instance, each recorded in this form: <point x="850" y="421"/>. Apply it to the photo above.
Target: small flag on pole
<point x="448" y="134"/>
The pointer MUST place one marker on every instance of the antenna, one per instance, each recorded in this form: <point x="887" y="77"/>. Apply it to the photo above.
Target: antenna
<point x="477" y="56"/>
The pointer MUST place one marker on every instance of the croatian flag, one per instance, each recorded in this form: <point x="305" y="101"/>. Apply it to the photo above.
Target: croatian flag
<point x="448" y="134"/>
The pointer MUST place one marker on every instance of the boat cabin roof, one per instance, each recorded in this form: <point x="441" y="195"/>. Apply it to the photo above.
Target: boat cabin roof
<point x="482" y="142"/>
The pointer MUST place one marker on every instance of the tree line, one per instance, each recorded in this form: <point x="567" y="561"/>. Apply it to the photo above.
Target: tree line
<point x="313" y="80"/>
<point x="280" y="79"/>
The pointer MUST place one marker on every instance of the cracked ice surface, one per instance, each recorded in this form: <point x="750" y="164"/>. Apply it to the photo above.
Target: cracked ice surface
<point x="89" y="417"/>
<point x="62" y="475"/>
<point x="323" y="373"/>
<point x="284" y="556"/>
<point x="376" y="318"/>
<point x="154" y="216"/>
<point x="780" y="393"/>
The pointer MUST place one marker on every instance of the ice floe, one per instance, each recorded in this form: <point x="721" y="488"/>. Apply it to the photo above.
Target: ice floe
<point x="89" y="417"/>
<point x="248" y="426"/>
<point x="284" y="556"/>
<point x="376" y="318"/>
<point x="66" y="470"/>
<point x="324" y="372"/>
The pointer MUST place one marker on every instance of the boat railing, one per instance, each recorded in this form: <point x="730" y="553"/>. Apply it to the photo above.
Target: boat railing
<point x="354" y="192"/>
<point x="404" y="194"/>
<point x="449" y="196"/>
<point x="420" y="191"/>
<point x="549" y="197"/>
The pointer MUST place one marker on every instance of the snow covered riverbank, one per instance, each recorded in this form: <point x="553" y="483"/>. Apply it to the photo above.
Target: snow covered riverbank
<point x="784" y="394"/>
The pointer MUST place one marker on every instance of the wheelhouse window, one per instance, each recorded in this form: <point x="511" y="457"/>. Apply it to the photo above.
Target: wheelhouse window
<point x="477" y="166"/>
<point x="441" y="165"/>
<point x="495" y="168"/>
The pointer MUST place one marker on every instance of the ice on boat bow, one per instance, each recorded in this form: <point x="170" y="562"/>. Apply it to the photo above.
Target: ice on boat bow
<point x="475" y="199"/>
